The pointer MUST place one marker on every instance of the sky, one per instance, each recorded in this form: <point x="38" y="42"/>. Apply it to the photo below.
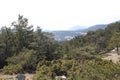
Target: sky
<point x="60" y="14"/>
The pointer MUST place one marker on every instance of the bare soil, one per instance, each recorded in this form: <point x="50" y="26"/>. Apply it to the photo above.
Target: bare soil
<point x="114" y="57"/>
<point x="8" y="77"/>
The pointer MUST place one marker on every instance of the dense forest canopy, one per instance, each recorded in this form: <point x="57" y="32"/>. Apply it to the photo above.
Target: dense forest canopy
<point x="24" y="50"/>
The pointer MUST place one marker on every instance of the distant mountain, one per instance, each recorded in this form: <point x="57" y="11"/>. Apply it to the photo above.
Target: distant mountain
<point x="77" y="27"/>
<point x="95" y="27"/>
<point x="67" y="35"/>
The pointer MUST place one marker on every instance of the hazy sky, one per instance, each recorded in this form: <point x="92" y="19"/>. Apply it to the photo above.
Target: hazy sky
<point x="60" y="14"/>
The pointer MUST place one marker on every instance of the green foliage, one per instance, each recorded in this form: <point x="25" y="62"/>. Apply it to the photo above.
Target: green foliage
<point x="114" y="41"/>
<point x="27" y="59"/>
<point x="50" y="69"/>
<point x="23" y="33"/>
<point x="100" y="70"/>
<point x="24" y="50"/>
<point x="12" y="69"/>
<point x="80" y="60"/>
<point x="78" y="70"/>
<point x="21" y="45"/>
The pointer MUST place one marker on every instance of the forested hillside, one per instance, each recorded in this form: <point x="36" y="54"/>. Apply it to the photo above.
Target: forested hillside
<point x="24" y="50"/>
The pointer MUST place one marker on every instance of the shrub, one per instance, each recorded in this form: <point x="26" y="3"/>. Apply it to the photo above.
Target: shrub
<point x="12" y="69"/>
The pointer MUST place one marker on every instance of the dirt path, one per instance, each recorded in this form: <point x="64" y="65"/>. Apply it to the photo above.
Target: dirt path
<point x="10" y="77"/>
<point x="112" y="56"/>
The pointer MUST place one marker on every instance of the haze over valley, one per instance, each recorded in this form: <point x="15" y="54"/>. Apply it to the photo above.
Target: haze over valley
<point x="64" y="35"/>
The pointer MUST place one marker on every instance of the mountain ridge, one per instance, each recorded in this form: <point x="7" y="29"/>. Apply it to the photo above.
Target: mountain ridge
<point x="64" y="35"/>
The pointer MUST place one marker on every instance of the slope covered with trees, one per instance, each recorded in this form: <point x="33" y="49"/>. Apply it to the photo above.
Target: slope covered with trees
<point x="24" y="50"/>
